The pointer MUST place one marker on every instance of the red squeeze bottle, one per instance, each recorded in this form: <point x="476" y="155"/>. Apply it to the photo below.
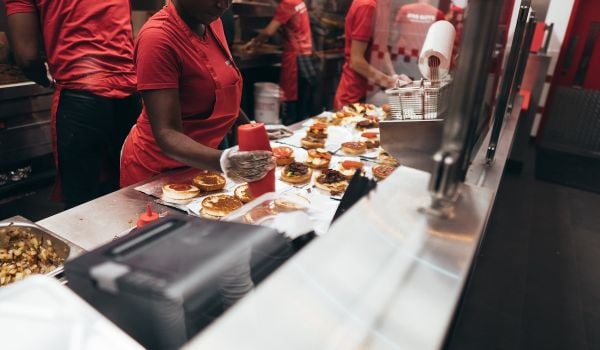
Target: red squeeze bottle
<point x="253" y="137"/>
<point x="147" y="217"/>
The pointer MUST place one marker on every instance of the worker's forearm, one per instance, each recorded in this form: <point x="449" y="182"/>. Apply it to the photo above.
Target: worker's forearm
<point x="370" y="73"/>
<point x="182" y="148"/>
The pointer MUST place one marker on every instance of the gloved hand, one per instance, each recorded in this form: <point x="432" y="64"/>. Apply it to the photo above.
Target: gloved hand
<point x="246" y="166"/>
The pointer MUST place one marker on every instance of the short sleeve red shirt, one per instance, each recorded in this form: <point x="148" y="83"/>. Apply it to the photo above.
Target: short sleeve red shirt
<point x="293" y="16"/>
<point x="88" y="43"/>
<point x="358" y="26"/>
<point x="169" y="56"/>
<point x="413" y="21"/>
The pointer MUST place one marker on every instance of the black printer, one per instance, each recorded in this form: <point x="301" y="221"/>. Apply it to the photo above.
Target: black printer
<point x="164" y="283"/>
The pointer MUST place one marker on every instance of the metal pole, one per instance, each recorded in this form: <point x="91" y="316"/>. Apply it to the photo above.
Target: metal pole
<point x="466" y="98"/>
<point x="508" y="78"/>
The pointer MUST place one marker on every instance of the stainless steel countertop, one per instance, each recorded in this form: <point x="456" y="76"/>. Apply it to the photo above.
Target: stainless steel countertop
<point x="97" y="222"/>
<point x="386" y="276"/>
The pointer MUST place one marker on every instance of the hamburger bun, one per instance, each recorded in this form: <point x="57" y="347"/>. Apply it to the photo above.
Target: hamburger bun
<point x="349" y="167"/>
<point x="242" y="192"/>
<point x="312" y="143"/>
<point x="332" y="181"/>
<point x="382" y="171"/>
<point x="318" y="158"/>
<point x="283" y="155"/>
<point x="291" y="203"/>
<point x="387" y="159"/>
<point x="179" y="192"/>
<point x="354" y="147"/>
<point x="219" y="205"/>
<point x="296" y="173"/>
<point x="209" y="181"/>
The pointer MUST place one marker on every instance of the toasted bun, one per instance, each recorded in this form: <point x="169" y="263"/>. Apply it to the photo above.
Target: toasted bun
<point x="209" y="182"/>
<point x="284" y="161"/>
<point x="291" y="203"/>
<point x="284" y="155"/>
<point x="387" y="159"/>
<point x="317" y="163"/>
<point x="242" y="193"/>
<point x="296" y="179"/>
<point x="179" y="191"/>
<point x="348" y="168"/>
<point x="333" y="188"/>
<point x="220" y="205"/>
<point x="382" y="171"/>
<point x="310" y="143"/>
<point x="354" y="147"/>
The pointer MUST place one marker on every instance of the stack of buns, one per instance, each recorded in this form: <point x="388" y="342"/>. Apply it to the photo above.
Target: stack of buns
<point x="318" y="158"/>
<point x="316" y="135"/>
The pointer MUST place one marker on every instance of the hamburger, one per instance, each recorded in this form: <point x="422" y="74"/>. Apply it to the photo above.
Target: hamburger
<point x="209" y="181"/>
<point x="318" y="158"/>
<point x="296" y="173"/>
<point x="284" y="155"/>
<point x="317" y="131"/>
<point x="242" y="193"/>
<point x="315" y="136"/>
<point x="382" y="171"/>
<point x="219" y="205"/>
<point x="371" y="139"/>
<point x="349" y="167"/>
<point x="367" y="123"/>
<point x="332" y="181"/>
<point x="179" y="192"/>
<point x="354" y="147"/>
<point x="387" y="159"/>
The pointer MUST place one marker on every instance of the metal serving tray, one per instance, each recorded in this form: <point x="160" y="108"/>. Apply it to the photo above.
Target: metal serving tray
<point x="64" y="249"/>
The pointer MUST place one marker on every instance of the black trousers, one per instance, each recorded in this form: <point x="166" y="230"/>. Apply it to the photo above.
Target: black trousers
<point x="304" y="107"/>
<point x="90" y="131"/>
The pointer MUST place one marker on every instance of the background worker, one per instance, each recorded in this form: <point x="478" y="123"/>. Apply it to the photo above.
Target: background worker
<point x="357" y="72"/>
<point x="88" y="48"/>
<point x="298" y="69"/>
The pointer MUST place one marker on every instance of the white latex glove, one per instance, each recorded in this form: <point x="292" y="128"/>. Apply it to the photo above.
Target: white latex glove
<point x="246" y="166"/>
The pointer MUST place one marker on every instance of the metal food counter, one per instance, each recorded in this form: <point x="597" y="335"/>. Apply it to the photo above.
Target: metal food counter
<point x="386" y="275"/>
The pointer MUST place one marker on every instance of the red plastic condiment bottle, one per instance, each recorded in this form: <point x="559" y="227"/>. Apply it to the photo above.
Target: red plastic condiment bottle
<point x="253" y="137"/>
<point x="147" y="217"/>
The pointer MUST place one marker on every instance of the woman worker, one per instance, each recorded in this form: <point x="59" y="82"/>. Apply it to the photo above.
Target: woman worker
<point x="298" y="73"/>
<point x="357" y="73"/>
<point x="191" y="91"/>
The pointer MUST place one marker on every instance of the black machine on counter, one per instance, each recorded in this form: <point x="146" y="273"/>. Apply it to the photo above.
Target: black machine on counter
<point x="166" y="282"/>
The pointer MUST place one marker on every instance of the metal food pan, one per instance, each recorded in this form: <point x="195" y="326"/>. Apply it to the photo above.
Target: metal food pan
<point x="63" y="248"/>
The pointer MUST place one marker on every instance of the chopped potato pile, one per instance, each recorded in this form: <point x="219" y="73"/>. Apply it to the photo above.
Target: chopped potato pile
<point x="22" y="253"/>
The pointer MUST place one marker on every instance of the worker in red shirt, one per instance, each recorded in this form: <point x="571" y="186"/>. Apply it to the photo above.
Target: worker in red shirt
<point x="298" y="70"/>
<point x="191" y="90"/>
<point x="88" y="47"/>
<point x="412" y="23"/>
<point x="357" y="73"/>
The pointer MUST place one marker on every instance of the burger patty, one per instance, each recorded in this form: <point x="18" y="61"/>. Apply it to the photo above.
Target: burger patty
<point x="297" y="168"/>
<point x="330" y="176"/>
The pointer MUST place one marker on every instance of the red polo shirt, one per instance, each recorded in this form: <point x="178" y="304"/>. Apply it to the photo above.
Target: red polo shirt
<point x="88" y="43"/>
<point x="413" y="22"/>
<point x="358" y="26"/>
<point x="296" y="34"/>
